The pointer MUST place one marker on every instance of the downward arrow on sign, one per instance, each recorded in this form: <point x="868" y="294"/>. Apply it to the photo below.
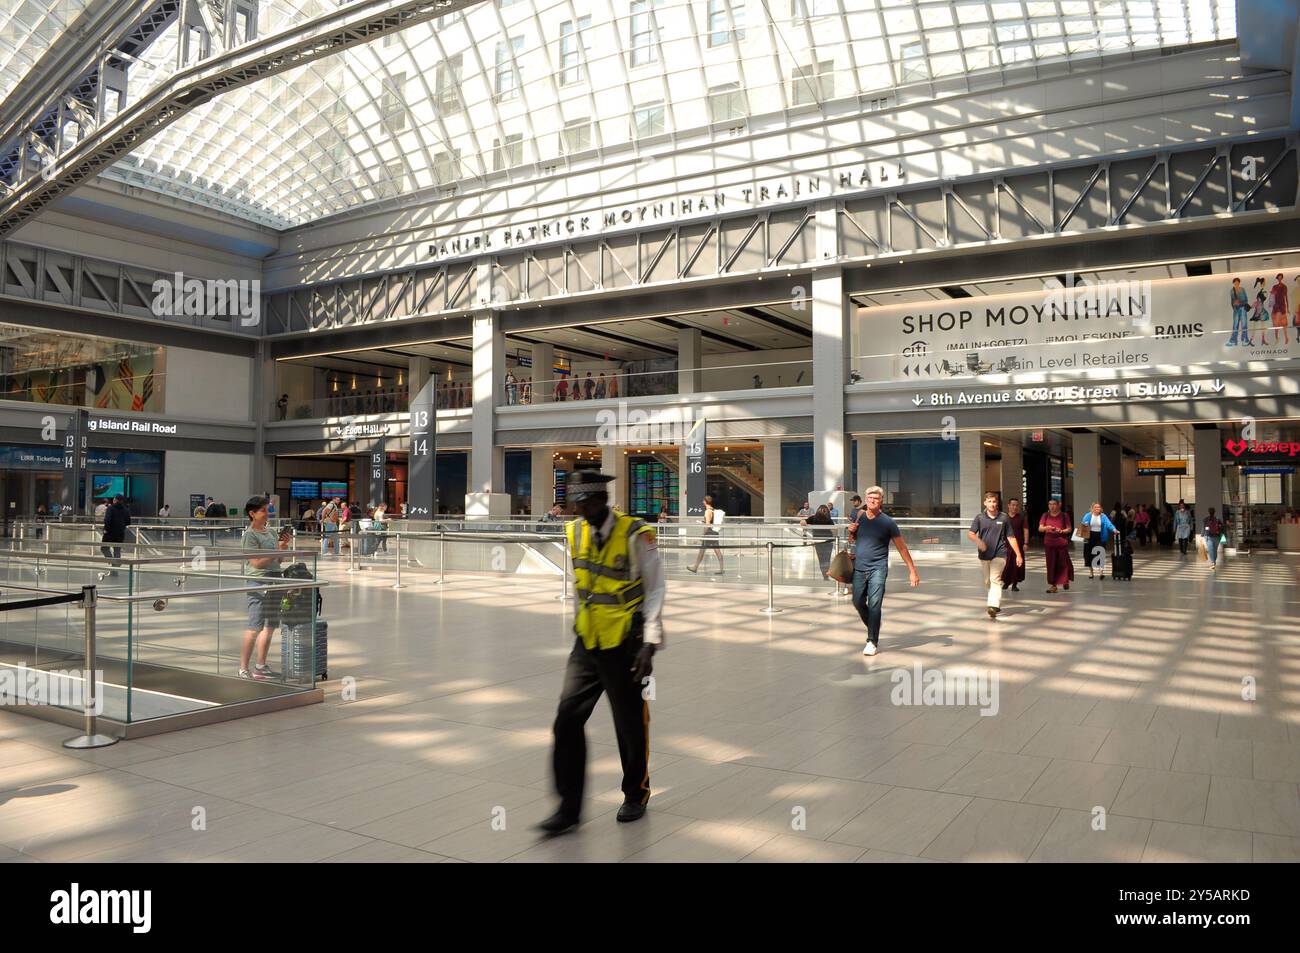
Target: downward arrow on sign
<point x="918" y="400"/>
<point x="1217" y="386"/>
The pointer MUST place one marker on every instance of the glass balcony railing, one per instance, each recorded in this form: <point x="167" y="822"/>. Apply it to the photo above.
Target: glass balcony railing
<point x="170" y="625"/>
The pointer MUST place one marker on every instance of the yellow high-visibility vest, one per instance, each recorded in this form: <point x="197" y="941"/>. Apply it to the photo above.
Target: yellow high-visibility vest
<point x="608" y="596"/>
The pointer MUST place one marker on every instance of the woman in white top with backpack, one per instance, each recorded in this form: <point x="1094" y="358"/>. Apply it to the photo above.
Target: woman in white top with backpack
<point x="712" y="527"/>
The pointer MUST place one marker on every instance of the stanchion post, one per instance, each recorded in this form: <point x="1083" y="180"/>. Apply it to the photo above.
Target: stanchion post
<point x="397" y="542"/>
<point x="564" y="571"/>
<point x="352" y="552"/>
<point x="91" y="738"/>
<point x="769" y="609"/>
<point x="442" y="556"/>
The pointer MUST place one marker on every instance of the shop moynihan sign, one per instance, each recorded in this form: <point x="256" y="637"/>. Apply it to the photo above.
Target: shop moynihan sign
<point x="684" y="206"/>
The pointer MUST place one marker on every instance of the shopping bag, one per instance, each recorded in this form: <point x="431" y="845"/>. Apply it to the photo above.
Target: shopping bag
<point x="841" y="568"/>
<point x="1200" y="549"/>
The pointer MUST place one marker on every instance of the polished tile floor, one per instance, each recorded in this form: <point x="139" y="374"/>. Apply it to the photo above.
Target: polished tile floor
<point x="1157" y="720"/>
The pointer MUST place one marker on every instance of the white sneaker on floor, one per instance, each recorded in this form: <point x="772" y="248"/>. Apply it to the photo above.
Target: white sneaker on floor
<point x="869" y="648"/>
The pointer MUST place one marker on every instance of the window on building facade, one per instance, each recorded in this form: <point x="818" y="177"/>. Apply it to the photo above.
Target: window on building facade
<point x="446" y="166"/>
<point x="643" y="32"/>
<point x="507" y="77"/>
<point x="508" y="154"/>
<point x="814" y="83"/>
<point x="573" y="49"/>
<point x="392" y="103"/>
<point x="726" y="21"/>
<point x="447" y="80"/>
<point x="576" y="136"/>
<point x="727" y="102"/>
<point x="649" y="121"/>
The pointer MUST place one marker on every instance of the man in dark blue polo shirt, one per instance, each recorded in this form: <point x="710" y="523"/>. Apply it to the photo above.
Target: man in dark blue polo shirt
<point x="871" y="532"/>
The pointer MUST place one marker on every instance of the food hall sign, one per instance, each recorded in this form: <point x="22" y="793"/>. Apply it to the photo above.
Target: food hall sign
<point x="695" y="204"/>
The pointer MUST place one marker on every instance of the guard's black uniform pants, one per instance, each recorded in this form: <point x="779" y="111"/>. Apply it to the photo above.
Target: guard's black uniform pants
<point x="588" y="674"/>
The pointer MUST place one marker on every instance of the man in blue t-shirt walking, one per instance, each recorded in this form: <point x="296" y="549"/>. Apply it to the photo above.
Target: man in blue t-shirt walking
<point x="871" y="532"/>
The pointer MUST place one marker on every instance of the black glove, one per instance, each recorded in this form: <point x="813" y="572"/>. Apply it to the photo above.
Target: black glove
<point x="643" y="665"/>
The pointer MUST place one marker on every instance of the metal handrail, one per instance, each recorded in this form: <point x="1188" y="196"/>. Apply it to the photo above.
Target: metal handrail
<point x="210" y="555"/>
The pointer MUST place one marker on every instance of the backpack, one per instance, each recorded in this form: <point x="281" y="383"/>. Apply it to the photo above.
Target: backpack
<point x="718" y="517"/>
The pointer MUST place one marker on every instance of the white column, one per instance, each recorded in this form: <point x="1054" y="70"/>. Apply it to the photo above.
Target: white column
<point x="1086" y="451"/>
<point x="613" y="461"/>
<point x="418" y="370"/>
<point x="1207" y="447"/>
<point x="970" y="466"/>
<point x="1013" y="471"/>
<point x="830" y="444"/>
<point x="261" y="472"/>
<point x="771" y="479"/>
<point x="487" y="461"/>
<point x="689" y="354"/>
<point x="543" y="480"/>
<point x="866" y="450"/>
<point x="543" y="388"/>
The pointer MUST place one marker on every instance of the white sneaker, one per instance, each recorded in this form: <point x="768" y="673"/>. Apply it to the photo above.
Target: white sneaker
<point x="869" y="648"/>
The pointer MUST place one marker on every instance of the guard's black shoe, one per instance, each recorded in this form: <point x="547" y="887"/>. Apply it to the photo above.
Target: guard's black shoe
<point x="557" y="823"/>
<point x="630" y="811"/>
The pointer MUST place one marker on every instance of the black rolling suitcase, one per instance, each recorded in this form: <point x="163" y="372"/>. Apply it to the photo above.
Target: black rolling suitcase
<point x="1121" y="564"/>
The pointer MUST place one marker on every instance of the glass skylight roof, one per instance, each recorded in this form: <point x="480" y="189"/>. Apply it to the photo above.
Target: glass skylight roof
<point x="27" y="29"/>
<point x="517" y="87"/>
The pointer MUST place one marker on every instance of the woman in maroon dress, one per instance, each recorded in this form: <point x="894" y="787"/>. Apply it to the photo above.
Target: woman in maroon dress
<point x="1056" y="528"/>
<point x="1013" y="575"/>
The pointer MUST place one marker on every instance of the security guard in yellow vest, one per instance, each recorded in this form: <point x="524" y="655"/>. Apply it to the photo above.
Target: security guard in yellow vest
<point x="618" y="585"/>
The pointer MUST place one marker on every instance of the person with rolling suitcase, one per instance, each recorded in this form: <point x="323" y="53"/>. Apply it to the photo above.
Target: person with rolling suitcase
<point x="263" y="607"/>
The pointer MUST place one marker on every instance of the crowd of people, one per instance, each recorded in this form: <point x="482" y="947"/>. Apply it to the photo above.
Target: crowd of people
<point x="337" y="520"/>
<point x="600" y="387"/>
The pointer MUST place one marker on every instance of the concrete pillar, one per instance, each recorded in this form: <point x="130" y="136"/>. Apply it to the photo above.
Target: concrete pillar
<point x="543" y="388"/>
<point x="418" y="370"/>
<point x="690" y="378"/>
<point x="1111" y="489"/>
<point x="1208" y="453"/>
<point x="830" y="443"/>
<point x="261" y="471"/>
<point x="1086" y="451"/>
<point x="613" y="461"/>
<point x="487" y="465"/>
<point x="1013" y="471"/>
<point x="970" y="473"/>
<point x="771" y="479"/>
<point x="543" y="480"/>
<point x="866" y="451"/>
